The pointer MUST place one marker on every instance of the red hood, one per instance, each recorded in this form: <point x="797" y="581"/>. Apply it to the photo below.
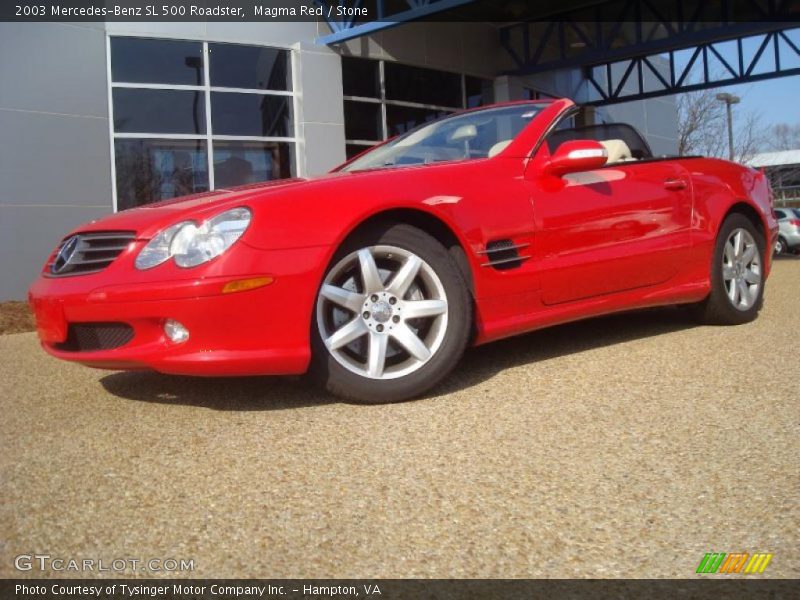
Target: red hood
<point x="149" y="219"/>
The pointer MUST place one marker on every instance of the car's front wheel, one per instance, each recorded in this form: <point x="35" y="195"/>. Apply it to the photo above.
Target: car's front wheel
<point x="392" y="318"/>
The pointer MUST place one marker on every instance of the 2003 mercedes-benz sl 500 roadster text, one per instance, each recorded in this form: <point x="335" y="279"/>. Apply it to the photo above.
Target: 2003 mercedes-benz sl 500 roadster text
<point x="376" y="277"/>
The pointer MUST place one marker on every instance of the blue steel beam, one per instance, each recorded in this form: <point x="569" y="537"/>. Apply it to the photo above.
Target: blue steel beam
<point x="582" y="37"/>
<point x="346" y="29"/>
<point x="624" y="80"/>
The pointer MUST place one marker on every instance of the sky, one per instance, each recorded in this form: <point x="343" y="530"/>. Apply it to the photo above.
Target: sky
<point x="774" y="100"/>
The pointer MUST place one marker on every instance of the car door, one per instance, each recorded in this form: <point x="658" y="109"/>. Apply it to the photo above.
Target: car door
<point x="617" y="228"/>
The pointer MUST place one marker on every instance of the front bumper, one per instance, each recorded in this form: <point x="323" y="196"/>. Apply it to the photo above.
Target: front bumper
<point x="261" y="331"/>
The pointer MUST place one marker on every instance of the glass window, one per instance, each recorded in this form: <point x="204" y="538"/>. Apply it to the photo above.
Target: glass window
<point x="249" y="67"/>
<point x="362" y="121"/>
<point x="251" y="114"/>
<point x="154" y="160"/>
<point x="137" y="60"/>
<point x="352" y="150"/>
<point x="241" y="162"/>
<point x="360" y="77"/>
<point x="601" y="132"/>
<point x="780" y="214"/>
<point x="531" y="94"/>
<point x="149" y="170"/>
<point x="400" y="119"/>
<point x="408" y="97"/>
<point x="159" y="111"/>
<point x="423" y="86"/>
<point x="479" y="92"/>
<point x="472" y="135"/>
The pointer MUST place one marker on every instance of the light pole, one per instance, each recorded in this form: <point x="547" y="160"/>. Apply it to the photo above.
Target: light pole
<point x="729" y="99"/>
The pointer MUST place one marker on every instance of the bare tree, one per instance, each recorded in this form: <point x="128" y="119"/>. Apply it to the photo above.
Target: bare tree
<point x="784" y="137"/>
<point x="749" y="137"/>
<point x="700" y="115"/>
<point x="703" y="128"/>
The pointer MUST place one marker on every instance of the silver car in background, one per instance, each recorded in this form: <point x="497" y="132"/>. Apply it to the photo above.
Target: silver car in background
<point x="788" y="230"/>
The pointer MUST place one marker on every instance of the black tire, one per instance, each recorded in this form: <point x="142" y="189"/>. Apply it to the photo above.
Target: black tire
<point x="717" y="309"/>
<point x="339" y="381"/>
<point x="781" y="247"/>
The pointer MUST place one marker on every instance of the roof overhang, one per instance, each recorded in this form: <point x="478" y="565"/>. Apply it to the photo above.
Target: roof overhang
<point x="346" y="28"/>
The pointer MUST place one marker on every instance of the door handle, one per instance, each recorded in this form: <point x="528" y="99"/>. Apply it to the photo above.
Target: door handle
<point x="675" y="184"/>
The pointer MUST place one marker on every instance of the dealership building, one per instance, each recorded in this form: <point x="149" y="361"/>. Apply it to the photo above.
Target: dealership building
<point x="97" y="117"/>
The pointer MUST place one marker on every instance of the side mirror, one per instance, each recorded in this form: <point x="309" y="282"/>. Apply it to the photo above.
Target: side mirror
<point x="576" y="156"/>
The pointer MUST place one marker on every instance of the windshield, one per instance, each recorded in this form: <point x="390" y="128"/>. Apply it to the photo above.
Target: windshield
<point x="476" y="134"/>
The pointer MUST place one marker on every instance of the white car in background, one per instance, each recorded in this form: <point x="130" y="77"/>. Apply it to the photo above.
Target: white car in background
<point x="788" y="230"/>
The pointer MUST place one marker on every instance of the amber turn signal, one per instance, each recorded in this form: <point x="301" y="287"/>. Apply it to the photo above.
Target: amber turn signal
<point x="241" y="285"/>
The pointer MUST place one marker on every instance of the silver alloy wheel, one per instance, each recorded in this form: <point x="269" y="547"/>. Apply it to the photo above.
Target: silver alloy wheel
<point x="779" y="246"/>
<point x="741" y="269"/>
<point x="382" y="312"/>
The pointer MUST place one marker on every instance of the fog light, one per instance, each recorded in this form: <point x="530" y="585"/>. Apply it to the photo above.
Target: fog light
<point x="175" y="331"/>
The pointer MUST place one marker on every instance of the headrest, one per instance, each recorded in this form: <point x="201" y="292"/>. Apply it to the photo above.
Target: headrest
<point x="498" y="148"/>
<point x="618" y="151"/>
<point x="465" y="132"/>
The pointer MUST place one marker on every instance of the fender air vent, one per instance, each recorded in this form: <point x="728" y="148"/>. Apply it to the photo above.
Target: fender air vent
<point x="504" y="254"/>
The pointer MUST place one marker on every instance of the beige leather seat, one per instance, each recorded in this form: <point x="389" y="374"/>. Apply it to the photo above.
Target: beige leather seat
<point x="618" y="151"/>
<point x="498" y="148"/>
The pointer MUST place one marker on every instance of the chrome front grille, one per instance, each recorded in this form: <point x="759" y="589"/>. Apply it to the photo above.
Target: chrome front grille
<point x="88" y="252"/>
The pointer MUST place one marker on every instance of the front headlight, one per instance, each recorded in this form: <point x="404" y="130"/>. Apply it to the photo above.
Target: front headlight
<point x="190" y="244"/>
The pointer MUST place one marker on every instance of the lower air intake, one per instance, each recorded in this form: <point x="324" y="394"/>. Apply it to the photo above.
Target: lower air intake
<point x="90" y="337"/>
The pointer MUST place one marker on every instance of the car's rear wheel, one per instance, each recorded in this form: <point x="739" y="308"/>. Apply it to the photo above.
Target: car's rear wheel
<point x="393" y="316"/>
<point x="737" y="274"/>
<point x="780" y="246"/>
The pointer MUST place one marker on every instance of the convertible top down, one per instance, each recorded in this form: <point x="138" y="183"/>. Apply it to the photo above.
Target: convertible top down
<point x="376" y="277"/>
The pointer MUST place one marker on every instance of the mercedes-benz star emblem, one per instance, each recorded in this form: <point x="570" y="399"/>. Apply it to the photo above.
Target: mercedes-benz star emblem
<point x="65" y="254"/>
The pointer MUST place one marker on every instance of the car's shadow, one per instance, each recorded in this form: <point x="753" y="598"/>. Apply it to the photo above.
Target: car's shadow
<point x="479" y="364"/>
<point x="217" y="393"/>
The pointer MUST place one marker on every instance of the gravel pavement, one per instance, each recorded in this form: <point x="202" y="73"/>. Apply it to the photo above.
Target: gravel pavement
<point x="623" y="446"/>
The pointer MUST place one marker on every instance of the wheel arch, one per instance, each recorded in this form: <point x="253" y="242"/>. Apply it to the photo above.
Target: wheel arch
<point x="430" y="224"/>
<point x="323" y="366"/>
<point x="745" y="209"/>
<point x="748" y="211"/>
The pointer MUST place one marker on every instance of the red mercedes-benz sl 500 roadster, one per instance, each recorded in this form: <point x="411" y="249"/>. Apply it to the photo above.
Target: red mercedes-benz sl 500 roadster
<point x="376" y="277"/>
